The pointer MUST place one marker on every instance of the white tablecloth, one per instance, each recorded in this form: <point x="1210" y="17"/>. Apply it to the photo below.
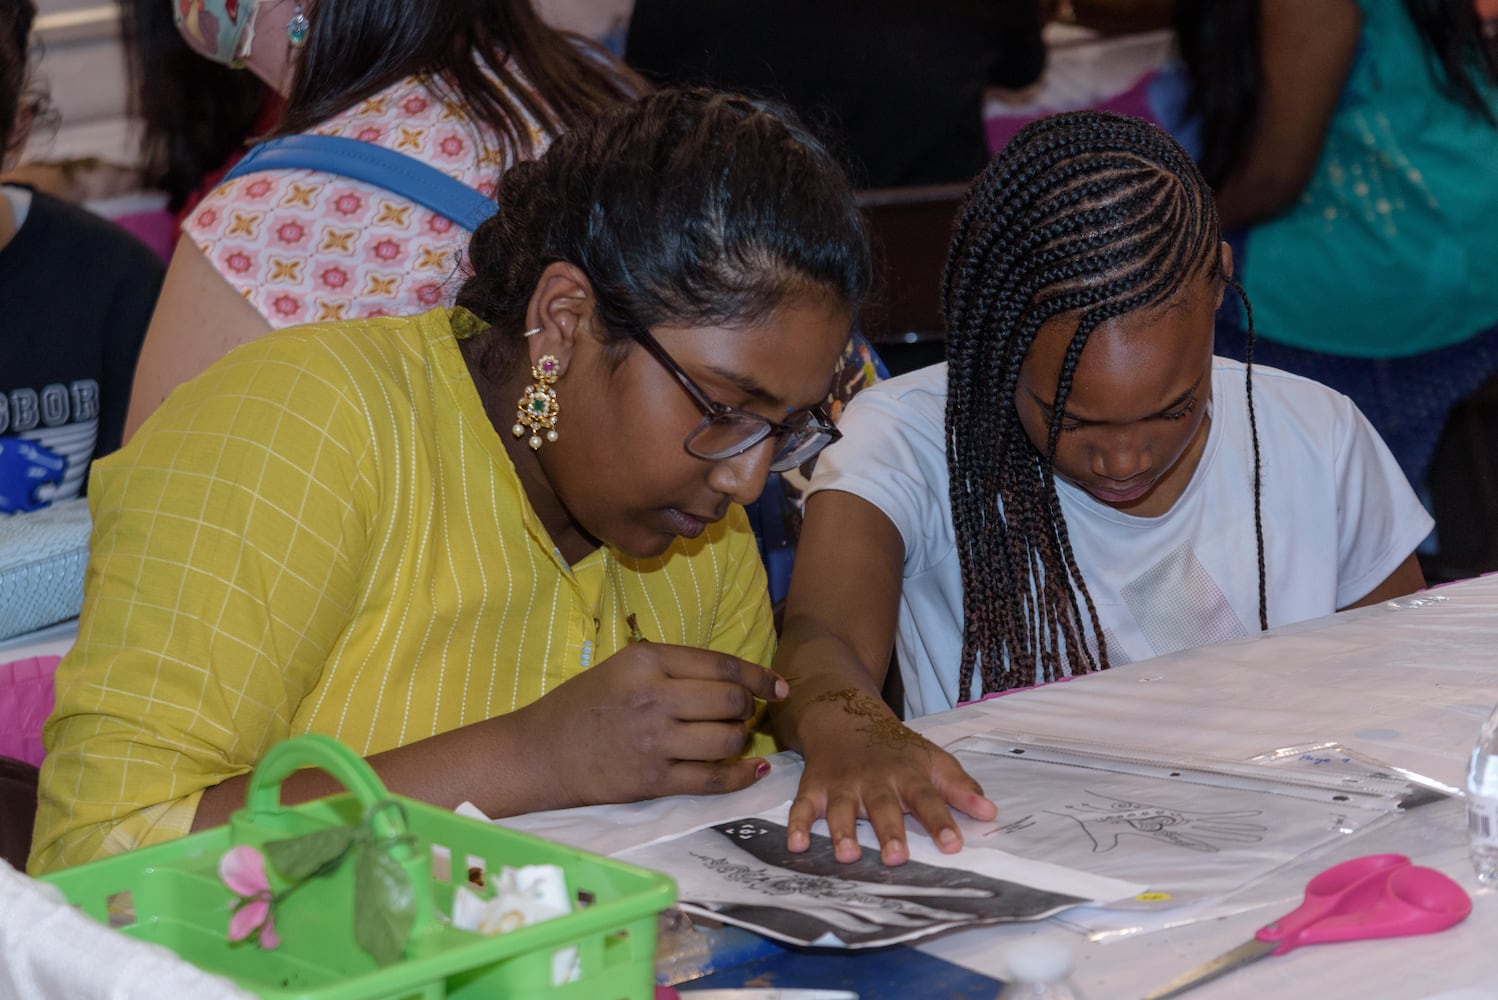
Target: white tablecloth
<point x="1408" y="683"/>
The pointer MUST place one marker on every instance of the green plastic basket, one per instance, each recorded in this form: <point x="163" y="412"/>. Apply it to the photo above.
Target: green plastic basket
<point x="170" y="894"/>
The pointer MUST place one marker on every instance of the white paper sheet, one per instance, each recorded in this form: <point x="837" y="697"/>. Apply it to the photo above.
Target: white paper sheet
<point x="740" y="872"/>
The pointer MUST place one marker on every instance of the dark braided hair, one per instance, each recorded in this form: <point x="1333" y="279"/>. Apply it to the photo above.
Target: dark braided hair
<point x="1090" y="214"/>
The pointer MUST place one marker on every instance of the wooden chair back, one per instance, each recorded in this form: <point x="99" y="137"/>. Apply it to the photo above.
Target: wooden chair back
<point x="909" y="232"/>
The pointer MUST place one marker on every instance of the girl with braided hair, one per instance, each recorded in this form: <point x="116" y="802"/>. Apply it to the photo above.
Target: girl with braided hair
<point x="1082" y="484"/>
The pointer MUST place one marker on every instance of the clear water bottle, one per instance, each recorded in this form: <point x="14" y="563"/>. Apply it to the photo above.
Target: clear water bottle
<point x="1038" y="970"/>
<point x="1482" y="803"/>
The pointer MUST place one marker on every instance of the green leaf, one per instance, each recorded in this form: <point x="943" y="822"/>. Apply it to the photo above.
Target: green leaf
<point x="384" y="903"/>
<point x="308" y="855"/>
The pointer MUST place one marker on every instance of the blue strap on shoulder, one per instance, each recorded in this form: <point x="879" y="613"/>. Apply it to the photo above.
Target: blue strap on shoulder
<point x="395" y="172"/>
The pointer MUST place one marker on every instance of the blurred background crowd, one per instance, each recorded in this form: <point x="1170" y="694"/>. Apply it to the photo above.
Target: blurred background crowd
<point x="1352" y="144"/>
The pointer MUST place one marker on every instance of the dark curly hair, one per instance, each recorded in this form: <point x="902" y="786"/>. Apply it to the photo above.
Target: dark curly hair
<point x="688" y="206"/>
<point x="15" y="25"/>
<point x="1089" y="214"/>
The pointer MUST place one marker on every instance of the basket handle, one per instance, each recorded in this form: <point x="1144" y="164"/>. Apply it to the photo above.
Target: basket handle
<point x="312" y="750"/>
<point x="263" y="800"/>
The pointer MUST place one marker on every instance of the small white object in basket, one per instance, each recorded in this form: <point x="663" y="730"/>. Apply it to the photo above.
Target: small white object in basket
<point x="521" y="897"/>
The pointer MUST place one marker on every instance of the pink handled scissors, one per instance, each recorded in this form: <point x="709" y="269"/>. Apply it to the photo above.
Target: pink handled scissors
<point x="1381" y="895"/>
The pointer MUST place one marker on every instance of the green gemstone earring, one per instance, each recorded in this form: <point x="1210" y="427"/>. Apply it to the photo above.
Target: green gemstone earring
<point x="537" y="408"/>
<point x="297" y="27"/>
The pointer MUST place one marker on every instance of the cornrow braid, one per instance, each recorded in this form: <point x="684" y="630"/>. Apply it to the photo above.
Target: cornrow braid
<point x="1090" y="214"/>
<point x="1253" y="426"/>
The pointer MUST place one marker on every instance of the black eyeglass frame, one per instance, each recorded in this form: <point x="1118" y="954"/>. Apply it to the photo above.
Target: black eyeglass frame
<point x="786" y="457"/>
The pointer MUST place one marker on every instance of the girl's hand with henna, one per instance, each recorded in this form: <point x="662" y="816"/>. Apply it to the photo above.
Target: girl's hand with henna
<point x="863" y="763"/>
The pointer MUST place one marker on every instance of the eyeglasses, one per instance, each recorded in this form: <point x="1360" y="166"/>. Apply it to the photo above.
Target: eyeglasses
<point x="726" y="431"/>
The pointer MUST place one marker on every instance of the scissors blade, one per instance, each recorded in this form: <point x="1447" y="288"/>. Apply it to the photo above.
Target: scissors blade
<point x="1250" y="951"/>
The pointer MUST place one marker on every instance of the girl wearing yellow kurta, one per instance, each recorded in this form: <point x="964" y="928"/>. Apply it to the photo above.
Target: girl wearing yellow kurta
<point x="337" y="529"/>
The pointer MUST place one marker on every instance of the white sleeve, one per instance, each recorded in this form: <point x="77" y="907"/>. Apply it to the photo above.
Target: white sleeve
<point x="893" y="454"/>
<point x="1380" y="519"/>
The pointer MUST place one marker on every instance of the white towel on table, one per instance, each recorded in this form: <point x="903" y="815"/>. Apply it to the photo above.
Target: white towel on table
<point x="50" y="951"/>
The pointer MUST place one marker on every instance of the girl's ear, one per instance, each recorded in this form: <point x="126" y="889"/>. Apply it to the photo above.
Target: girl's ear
<point x="560" y="312"/>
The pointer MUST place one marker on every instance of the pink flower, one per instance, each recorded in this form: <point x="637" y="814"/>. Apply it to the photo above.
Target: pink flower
<point x="243" y="871"/>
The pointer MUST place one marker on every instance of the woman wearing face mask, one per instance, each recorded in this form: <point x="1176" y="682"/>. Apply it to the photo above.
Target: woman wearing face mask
<point x="495" y="548"/>
<point x="467" y="86"/>
<point x="196" y="116"/>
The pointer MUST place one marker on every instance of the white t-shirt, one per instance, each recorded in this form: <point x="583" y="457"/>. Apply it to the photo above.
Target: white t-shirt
<point x="1338" y="518"/>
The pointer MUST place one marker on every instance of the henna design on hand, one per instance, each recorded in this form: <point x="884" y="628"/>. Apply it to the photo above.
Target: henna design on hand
<point x="882" y="729"/>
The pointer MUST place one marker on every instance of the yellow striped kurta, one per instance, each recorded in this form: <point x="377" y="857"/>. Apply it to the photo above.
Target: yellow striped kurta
<point x="324" y="533"/>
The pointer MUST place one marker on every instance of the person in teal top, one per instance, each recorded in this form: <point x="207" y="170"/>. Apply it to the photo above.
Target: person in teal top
<point x="1354" y="145"/>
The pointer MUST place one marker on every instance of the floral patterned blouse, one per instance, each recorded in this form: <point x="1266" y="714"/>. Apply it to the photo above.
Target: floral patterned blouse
<point x="304" y="246"/>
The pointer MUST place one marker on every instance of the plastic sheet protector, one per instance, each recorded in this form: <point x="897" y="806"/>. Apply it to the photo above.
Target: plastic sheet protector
<point x="1191" y="832"/>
